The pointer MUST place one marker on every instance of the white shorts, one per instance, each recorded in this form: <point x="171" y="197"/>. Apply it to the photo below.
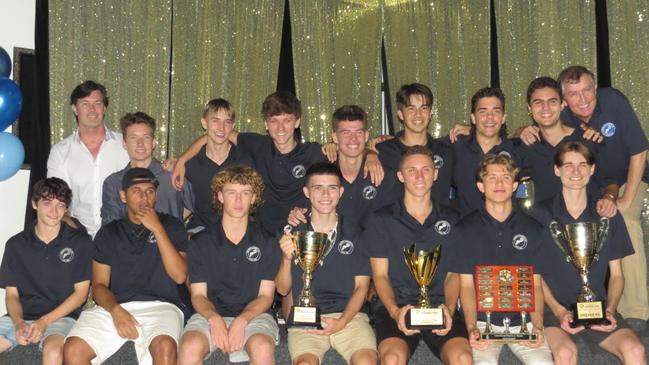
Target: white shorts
<point x="95" y="326"/>
<point x="59" y="327"/>
<point x="263" y="324"/>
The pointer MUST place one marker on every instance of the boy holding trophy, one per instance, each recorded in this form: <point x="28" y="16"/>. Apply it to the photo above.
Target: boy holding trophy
<point x="499" y="262"/>
<point x="329" y="255"/>
<point x="416" y="302"/>
<point x="578" y="302"/>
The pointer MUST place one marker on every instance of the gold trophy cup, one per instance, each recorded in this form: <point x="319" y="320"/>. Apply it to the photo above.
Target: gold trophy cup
<point x="309" y="250"/>
<point x="423" y="265"/>
<point x="581" y="243"/>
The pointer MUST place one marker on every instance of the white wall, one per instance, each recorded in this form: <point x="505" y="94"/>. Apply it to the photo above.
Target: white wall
<point x="16" y="30"/>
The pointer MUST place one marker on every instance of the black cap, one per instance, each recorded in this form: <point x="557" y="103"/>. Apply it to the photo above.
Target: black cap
<point x="138" y="175"/>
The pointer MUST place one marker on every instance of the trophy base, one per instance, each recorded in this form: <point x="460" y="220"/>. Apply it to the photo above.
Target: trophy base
<point x="505" y="338"/>
<point x="588" y="314"/>
<point x="304" y="317"/>
<point x="425" y="319"/>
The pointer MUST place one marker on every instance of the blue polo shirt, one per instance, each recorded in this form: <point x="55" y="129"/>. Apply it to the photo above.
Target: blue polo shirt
<point x="283" y="176"/>
<point x="169" y="201"/>
<point x="390" y="229"/>
<point x="564" y="280"/>
<point x="137" y="272"/>
<point x="468" y="151"/>
<point x="232" y="272"/>
<point x="45" y="274"/>
<point x="199" y="173"/>
<point x="537" y="162"/>
<point x="361" y="197"/>
<point x="483" y="240"/>
<point x="390" y="152"/>
<point x="615" y="119"/>
<point x="334" y="282"/>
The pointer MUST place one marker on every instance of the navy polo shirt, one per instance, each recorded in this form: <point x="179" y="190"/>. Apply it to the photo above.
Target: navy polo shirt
<point x="615" y="119"/>
<point x="168" y="201"/>
<point x="392" y="228"/>
<point x="283" y="177"/>
<point x="483" y="240"/>
<point x="232" y="272"/>
<point x="361" y="196"/>
<point x="199" y="173"/>
<point x="137" y="272"/>
<point x="537" y="162"/>
<point x="333" y="283"/>
<point x="468" y="151"/>
<point x="390" y="153"/>
<point x="45" y="274"/>
<point x="564" y="279"/>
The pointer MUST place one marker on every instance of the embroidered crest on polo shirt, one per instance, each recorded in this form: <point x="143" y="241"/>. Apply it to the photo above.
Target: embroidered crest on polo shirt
<point x="443" y="227"/>
<point x="66" y="255"/>
<point x="346" y="247"/>
<point x="253" y="254"/>
<point x="608" y="129"/>
<point x="299" y="171"/>
<point x="151" y="238"/>
<point x="519" y="242"/>
<point x="504" y="153"/>
<point x="369" y="192"/>
<point x="438" y="161"/>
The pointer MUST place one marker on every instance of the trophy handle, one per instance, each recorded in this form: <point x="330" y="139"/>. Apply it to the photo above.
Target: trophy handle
<point x="557" y="237"/>
<point x="602" y="235"/>
<point x="330" y="246"/>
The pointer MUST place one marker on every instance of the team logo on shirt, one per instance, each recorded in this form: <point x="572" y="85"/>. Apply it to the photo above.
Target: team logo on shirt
<point x="66" y="255"/>
<point x="504" y="153"/>
<point x="346" y="247"/>
<point x="608" y="129"/>
<point x="519" y="242"/>
<point x="299" y="171"/>
<point x="369" y="192"/>
<point x="438" y="161"/>
<point x="443" y="227"/>
<point x="151" y="238"/>
<point x="253" y="254"/>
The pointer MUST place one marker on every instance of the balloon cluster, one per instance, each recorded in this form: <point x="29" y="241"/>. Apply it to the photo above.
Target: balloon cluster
<point x="12" y="153"/>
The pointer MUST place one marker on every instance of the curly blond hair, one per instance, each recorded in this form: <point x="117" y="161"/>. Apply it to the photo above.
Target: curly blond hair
<point x="238" y="174"/>
<point x="492" y="159"/>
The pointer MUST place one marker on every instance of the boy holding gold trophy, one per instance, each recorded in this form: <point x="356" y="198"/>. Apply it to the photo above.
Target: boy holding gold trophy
<point x="331" y="274"/>
<point x="579" y="304"/>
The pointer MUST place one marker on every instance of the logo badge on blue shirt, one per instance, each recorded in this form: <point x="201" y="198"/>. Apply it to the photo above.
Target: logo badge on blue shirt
<point x="608" y="129"/>
<point x="504" y="153"/>
<point x="346" y="247"/>
<point x="519" y="242"/>
<point x="299" y="171"/>
<point x="438" y="161"/>
<point x="66" y="255"/>
<point x="253" y="254"/>
<point x="369" y="192"/>
<point x="443" y="227"/>
<point x="151" y="238"/>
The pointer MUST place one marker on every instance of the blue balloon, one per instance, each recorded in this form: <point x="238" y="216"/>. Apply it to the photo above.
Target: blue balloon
<point x="12" y="155"/>
<point x="5" y="63"/>
<point x="11" y="102"/>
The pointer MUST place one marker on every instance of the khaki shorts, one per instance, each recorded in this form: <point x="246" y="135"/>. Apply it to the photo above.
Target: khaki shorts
<point x="357" y="335"/>
<point x="263" y="324"/>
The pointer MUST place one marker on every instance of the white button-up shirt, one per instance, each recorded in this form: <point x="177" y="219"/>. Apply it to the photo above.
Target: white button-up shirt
<point x="71" y="161"/>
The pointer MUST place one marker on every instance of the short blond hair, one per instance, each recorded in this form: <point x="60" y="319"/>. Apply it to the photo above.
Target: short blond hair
<point x="492" y="159"/>
<point x="238" y="174"/>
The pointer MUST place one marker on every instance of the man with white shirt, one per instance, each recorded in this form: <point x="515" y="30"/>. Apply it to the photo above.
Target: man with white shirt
<point x="87" y="156"/>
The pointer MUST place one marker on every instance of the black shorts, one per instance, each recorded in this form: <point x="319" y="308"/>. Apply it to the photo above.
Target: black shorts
<point x="386" y="327"/>
<point x="590" y="336"/>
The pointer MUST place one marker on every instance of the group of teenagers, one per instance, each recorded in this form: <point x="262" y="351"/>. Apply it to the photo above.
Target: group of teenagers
<point x="196" y="257"/>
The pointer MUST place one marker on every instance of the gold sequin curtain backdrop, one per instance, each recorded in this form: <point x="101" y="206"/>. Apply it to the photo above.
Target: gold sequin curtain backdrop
<point x="628" y="27"/>
<point x="540" y="38"/>
<point x="336" y="57"/>
<point x="442" y="44"/>
<point x="123" y="45"/>
<point x="222" y="48"/>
